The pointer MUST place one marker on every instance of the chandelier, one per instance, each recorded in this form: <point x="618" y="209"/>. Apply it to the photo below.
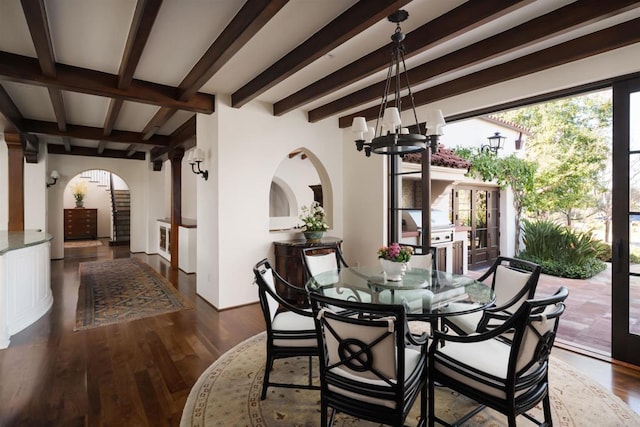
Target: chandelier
<point x="389" y="135"/>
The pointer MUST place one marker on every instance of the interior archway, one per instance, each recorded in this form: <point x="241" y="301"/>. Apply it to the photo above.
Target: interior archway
<point x="97" y="208"/>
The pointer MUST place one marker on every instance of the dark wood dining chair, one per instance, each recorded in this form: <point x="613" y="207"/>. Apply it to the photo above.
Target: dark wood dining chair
<point x="371" y="366"/>
<point x="291" y="330"/>
<point x="508" y="376"/>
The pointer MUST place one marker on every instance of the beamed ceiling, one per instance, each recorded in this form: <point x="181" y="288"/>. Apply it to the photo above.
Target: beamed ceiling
<point x="120" y="78"/>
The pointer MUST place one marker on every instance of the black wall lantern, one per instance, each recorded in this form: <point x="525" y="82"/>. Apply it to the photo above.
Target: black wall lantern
<point x="496" y="142"/>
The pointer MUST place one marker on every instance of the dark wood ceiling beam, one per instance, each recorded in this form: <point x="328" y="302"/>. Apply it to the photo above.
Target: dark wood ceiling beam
<point x="92" y="152"/>
<point x="58" y="108"/>
<point x="465" y="17"/>
<point x="143" y="19"/>
<point x="247" y="22"/>
<point x="115" y="105"/>
<point x="156" y="122"/>
<point x="131" y="149"/>
<point x="66" y="142"/>
<point x="356" y="19"/>
<point x="23" y="69"/>
<point x="552" y="24"/>
<point x="36" y="16"/>
<point x="184" y="136"/>
<point x="9" y="110"/>
<point x="583" y="47"/>
<point x="91" y="133"/>
<point x="31" y="146"/>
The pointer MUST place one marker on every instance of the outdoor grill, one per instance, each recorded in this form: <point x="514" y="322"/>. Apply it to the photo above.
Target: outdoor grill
<point x="441" y="228"/>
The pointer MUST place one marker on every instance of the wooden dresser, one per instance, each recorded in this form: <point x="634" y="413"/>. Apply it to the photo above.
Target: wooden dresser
<point x="289" y="262"/>
<point x="80" y="223"/>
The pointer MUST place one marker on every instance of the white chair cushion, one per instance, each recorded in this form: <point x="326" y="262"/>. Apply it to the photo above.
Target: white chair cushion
<point x="508" y="283"/>
<point x="290" y="321"/>
<point x="467" y="322"/>
<point x="411" y="360"/>
<point x="490" y="357"/>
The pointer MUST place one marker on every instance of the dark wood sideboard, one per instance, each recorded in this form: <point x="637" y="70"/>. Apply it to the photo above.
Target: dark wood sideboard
<point x="289" y="262"/>
<point x="80" y="223"/>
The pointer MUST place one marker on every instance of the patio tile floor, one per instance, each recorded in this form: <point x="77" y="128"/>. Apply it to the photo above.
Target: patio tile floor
<point x="586" y="323"/>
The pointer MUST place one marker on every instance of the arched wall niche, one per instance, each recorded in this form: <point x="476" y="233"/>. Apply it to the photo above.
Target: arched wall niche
<point x="299" y="179"/>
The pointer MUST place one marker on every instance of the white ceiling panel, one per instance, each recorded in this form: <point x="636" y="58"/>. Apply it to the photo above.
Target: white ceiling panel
<point x="90" y="33"/>
<point x="32" y="101"/>
<point x="294" y="24"/>
<point x="183" y="32"/>
<point x="87" y="110"/>
<point x="134" y="116"/>
<point x="14" y="32"/>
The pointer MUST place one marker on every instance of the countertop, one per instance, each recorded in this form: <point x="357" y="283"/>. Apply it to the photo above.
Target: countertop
<point x="12" y="240"/>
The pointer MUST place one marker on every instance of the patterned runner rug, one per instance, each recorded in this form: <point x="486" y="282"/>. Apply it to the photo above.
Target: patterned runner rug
<point x="82" y="244"/>
<point x="122" y="290"/>
<point x="228" y="394"/>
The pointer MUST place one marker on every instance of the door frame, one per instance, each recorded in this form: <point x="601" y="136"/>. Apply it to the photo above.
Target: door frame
<point x="624" y="345"/>
<point x="485" y="255"/>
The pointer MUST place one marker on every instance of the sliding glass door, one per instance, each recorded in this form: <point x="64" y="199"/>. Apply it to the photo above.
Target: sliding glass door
<point x="626" y="222"/>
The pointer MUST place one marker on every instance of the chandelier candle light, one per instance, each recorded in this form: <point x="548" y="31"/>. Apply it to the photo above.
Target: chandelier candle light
<point x="389" y="136"/>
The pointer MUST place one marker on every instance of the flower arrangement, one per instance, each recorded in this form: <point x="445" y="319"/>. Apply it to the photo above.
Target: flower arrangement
<point x="395" y="252"/>
<point x="79" y="190"/>
<point x="313" y="218"/>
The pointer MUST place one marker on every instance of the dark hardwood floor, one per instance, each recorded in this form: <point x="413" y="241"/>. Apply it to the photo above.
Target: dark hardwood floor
<point x="140" y="373"/>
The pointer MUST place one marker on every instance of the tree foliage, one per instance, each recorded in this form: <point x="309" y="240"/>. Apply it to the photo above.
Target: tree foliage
<point x="570" y="141"/>
<point x="510" y="171"/>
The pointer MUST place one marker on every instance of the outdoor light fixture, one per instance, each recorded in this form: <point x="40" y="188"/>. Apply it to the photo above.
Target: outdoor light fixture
<point x="496" y="142"/>
<point x="195" y="158"/>
<point x="54" y="178"/>
<point x="389" y="136"/>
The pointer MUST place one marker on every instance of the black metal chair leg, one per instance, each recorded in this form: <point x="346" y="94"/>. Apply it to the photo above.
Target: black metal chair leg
<point x="265" y="380"/>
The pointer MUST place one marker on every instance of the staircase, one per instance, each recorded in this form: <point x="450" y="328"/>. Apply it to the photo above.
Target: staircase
<point x="121" y="214"/>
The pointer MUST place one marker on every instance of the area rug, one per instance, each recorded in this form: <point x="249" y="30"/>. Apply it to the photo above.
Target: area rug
<point x="228" y="394"/>
<point x="82" y="244"/>
<point x="122" y="290"/>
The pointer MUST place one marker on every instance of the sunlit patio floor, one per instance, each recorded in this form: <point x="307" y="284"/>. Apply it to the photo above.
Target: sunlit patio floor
<point x="586" y="323"/>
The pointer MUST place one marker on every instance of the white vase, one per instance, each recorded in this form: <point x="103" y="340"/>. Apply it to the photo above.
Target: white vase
<point x="393" y="270"/>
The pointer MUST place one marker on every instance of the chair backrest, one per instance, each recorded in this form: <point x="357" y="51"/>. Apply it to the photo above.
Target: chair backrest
<point x="535" y="327"/>
<point x="266" y="289"/>
<point x="427" y="261"/>
<point x="367" y="347"/>
<point x="320" y="259"/>
<point x="513" y="281"/>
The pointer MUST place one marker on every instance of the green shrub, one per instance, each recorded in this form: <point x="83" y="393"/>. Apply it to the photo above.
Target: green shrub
<point x="562" y="269"/>
<point x="563" y="252"/>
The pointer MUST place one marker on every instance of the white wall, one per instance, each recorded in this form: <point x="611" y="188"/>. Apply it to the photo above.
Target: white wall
<point x="233" y="208"/>
<point x="473" y="133"/>
<point x="35" y="176"/>
<point x="4" y="184"/>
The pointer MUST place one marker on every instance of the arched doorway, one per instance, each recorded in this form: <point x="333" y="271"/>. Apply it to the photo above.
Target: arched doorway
<point x="97" y="209"/>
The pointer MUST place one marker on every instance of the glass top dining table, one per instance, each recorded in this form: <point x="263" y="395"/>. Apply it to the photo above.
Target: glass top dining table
<point x="429" y="294"/>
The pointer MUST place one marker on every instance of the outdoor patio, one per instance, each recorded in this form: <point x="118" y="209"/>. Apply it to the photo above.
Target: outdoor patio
<point x="586" y="323"/>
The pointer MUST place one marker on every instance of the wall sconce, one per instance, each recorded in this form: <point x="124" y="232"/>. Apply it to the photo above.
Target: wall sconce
<point x="496" y="142"/>
<point x="54" y="178"/>
<point x="195" y="158"/>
